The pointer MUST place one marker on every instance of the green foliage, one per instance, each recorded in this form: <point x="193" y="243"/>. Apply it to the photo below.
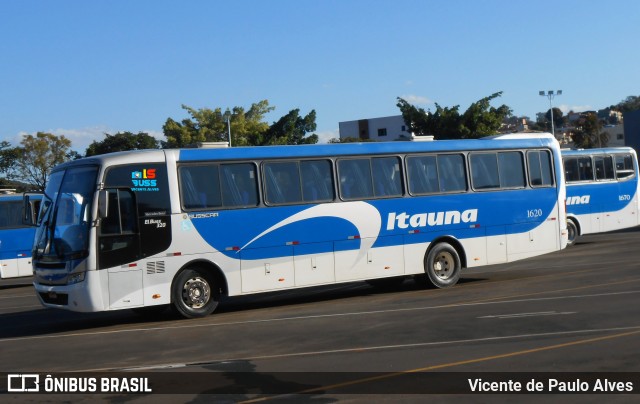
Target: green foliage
<point x="480" y="119"/>
<point x="207" y="125"/>
<point x="588" y="134"/>
<point x="290" y="129"/>
<point x="631" y="103"/>
<point x="248" y="128"/>
<point x="8" y="156"/>
<point x="558" y="118"/>
<point x="37" y="156"/>
<point x="122" y="141"/>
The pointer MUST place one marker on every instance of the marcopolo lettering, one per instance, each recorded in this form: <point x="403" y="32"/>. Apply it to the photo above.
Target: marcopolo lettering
<point x="404" y="220"/>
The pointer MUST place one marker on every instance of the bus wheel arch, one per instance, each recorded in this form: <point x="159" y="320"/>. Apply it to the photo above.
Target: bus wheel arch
<point x="573" y="230"/>
<point x="197" y="288"/>
<point x="443" y="262"/>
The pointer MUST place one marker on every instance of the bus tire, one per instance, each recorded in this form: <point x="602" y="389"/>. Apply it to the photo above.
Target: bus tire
<point x="442" y="265"/>
<point x="572" y="232"/>
<point x="195" y="293"/>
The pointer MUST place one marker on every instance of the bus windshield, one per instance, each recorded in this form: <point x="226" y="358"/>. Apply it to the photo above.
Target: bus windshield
<point x="65" y="217"/>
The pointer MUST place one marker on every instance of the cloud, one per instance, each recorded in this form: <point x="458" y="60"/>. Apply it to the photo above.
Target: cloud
<point x="575" y="108"/>
<point x="416" y="99"/>
<point x="325" y="136"/>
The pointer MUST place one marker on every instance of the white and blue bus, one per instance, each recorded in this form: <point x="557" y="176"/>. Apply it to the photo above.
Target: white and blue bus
<point x="184" y="227"/>
<point x="602" y="190"/>
<point x="17" y="229"/>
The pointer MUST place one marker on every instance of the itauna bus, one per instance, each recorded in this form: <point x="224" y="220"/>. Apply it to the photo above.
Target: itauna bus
<point x="602" y="190"/>
<point x="184" y="227"/>
<point x="17" y="228"/>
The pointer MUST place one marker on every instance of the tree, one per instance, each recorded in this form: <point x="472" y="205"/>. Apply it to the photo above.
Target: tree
<point x="630" y="103"/>
<point x="479" y="120"/>
<point x="37" y="156"/>
<point x="558" y="117"/>
<point x="8" y="156"/>
<point x="122" y="141"/>
<point x="290" y="129"/>
<point x="248" y="128"/>
<point x="207" y="125"/>
<point x="588" y="133"/>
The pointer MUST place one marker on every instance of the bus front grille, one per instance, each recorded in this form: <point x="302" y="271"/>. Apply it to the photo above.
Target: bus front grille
<point x="59" y="299"/>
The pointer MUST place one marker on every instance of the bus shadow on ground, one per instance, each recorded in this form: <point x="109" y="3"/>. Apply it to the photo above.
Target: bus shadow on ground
<point x="44" y="321"/>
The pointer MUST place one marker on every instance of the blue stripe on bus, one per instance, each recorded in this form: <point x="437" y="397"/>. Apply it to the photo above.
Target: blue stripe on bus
<point x="251" y="233"/>
<point x="606" y="196"/>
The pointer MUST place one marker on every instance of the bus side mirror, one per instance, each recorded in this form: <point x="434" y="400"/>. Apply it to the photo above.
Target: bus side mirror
<point x="103" y="204"/>
<point x="29" y="207"/>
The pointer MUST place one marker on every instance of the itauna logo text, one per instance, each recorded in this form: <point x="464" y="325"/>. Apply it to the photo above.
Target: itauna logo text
<point x="144" y="178"/>
<point x="404" y="220"/>
<point x="578" y="200"/>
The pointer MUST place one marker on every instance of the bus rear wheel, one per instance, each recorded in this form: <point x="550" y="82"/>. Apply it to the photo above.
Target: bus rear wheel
<point x="443" y="265"/>
<point x="195" y="293"/>
<point x="572" y="232"/>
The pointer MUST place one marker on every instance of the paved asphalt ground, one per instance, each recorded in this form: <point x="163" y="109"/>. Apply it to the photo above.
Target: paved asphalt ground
<point x="562" y="322"/>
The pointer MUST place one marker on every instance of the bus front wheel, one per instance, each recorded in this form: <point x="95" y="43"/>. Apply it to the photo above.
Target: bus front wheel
<point x="195" y="293"/>
<point x="443" y="265"/>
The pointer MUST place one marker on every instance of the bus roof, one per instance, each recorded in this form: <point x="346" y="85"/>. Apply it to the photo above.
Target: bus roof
<point x="14" y="197"/>
<point x="320" y="150"/>
<point x="602" y="150"/>
<point x="373" y="148"/>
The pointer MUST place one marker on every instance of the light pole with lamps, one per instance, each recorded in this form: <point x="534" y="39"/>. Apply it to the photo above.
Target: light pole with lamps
<point x="550" y="95"/>
<point x="229" y="128"/>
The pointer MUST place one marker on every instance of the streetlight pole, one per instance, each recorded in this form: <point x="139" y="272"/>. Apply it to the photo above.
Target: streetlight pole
<point x="229" y="128"/>
<point x="550" y="95"/>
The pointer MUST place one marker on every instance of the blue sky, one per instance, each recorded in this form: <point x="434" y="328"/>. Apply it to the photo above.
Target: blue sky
<point x="82" y="68"/>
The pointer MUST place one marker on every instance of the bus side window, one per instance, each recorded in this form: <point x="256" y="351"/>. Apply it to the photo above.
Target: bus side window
<point x="624" y="166"/>
<point x="604" y="168"/>
<point x="540" y="173"/>
<point x="585" y="169"/>
<point x="317" y="181"/>
<point x="200" y="187"/>
<point x="355" y="178"/>
<point x="282" y="183"/>
<point x="451" y="173"/>
<point x="386" y="174"/>
<point x="511" y="168"/>
<point x="484" y="171"/>
<point x="238" y="185"/>
<point x="423" y="174"/>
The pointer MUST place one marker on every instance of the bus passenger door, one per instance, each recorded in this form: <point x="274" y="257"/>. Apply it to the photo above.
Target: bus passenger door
<point x="119" y="249"/>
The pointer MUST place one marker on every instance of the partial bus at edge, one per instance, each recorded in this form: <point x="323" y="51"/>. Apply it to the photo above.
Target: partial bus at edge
<point x="602" y="190"/>
<point x="17" y="228"/>
<point x="149" y="229"/>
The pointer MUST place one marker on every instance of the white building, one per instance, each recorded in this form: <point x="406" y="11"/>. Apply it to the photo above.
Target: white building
<point x="616" y="135"/>
<point x="379" y="129"/>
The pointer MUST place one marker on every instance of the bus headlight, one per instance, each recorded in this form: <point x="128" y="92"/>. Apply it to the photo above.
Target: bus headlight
<point x="75" y="278"/>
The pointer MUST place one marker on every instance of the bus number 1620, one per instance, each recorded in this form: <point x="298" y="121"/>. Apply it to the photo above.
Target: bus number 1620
<point x="534" y="213"/>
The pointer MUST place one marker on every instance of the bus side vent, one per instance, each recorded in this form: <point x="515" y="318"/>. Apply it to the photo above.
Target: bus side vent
<point x="155" y="267"/>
